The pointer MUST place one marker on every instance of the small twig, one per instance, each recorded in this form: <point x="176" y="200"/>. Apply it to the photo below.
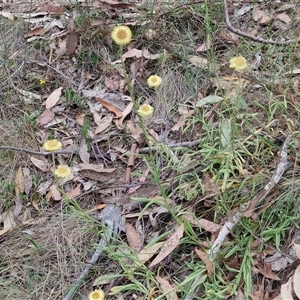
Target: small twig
<point x="35" y="152"/>
<point x="237" y="214"/>
<point x="248" y="36"/>
<point x="142" y="150"/>
<point x="183" y="144"/>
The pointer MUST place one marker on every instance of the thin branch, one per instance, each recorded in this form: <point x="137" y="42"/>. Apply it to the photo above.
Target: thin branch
<point x="142" y="150"/>
<point x="248" y="36"/>
<point x="183" y="144"/>
<point x="35" y="152"/>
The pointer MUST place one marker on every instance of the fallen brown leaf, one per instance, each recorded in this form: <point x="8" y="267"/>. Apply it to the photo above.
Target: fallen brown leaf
<point x="71" y="43"/>
<point x="145" y="254"/>
<point x="46" y="117"/>
<point x="110" y="107"/>
<point x="167" y="288"/>
<point x="54" y="193"/>
<point x="34" y="32"/>
<point x="171" y="243"/>
<point x="133" y="237"/>
<point x="208" y="264"/>
<point x="53" y="98"/>
<point x="74" y="192"/>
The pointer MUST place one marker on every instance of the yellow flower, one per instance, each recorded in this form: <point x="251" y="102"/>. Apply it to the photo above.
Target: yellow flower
<point x="42" y="81"/>
<point x="154" y="81"/>
<point x="52" y="145"/>
<point x="238" y="63"/>
<point x="96" y="295"/>
<point x="145" y="110"/>
<point x="62" y="171"/>
<point x="121" y="35"/>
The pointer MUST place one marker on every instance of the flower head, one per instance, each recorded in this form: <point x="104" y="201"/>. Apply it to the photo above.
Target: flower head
<point x="62" y="171"/>
<point x="42" y="81"/>
<point x="145" y="110"/>
<point x="121" y="35"/>
<point x="154" y="81"/>
<point x="238" y="63"/>
<point x="96" y="295"/>
<point x="52" y="145"/>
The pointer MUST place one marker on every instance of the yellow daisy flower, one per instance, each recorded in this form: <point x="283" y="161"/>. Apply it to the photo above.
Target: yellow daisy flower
<point x="62" y="171"/>
<point x="238" y="63"/>
<point x="145" y="110"/>
<point x="154" y="81"/>
<point x="42" y="81"/>
<point x="96" y="295"/>
<point x="52" y="145"/>
<point x="121" y="35"/>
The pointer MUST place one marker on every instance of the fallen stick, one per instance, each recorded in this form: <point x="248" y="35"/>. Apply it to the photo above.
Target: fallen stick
<point x="248" y="36"/>
<point x="236" y="214"/>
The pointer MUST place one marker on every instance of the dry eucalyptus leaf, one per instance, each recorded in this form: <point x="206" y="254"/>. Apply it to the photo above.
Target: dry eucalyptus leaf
<point x="83" y="152"/>
<point x="54" y="193"/>
<point x="53" y="98"/>
<point x="27" y="180"/>
<point x="104" y="123"/>
<point x="8" y="222"/>
<point x="44" y="186"/>
<point x="43" y="165"/>
<point x="34" y="32"/>
<point x="96" y="168"/>
<point x="19" y="183"/>
<point x="71" y="43"/>
<point x="167" y="288"/>
<point x="80" y="118"/>
<point x="261" y="17"/>
<point x="208" y="264"/>
<point x="46" y="117"/>
<point x="171" y="243"/>
<point x="287" y="290"/>
<point x="148" y="252"/>
<point x="198" y="61"/>
<point x="74" y="192"/>
<point x="7" y="14"/>
<point x="134" y="239"/>
<point x="110" y="107"/>
<point x="284" y="18"/>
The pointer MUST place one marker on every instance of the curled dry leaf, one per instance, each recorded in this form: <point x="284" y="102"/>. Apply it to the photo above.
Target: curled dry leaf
<point x="110" y="107"/>
<point x="261" y="17"/>
<point x="125" y="113"/>
<point x="53" y="193"/>
<point x="43" y="165"/>
<point x="80" y="118"/>
<point x="34" y="32"/>
<point x="104" y="123"/>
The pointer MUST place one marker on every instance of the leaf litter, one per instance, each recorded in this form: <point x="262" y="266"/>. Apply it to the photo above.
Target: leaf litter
<point x="99" y="134"/>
